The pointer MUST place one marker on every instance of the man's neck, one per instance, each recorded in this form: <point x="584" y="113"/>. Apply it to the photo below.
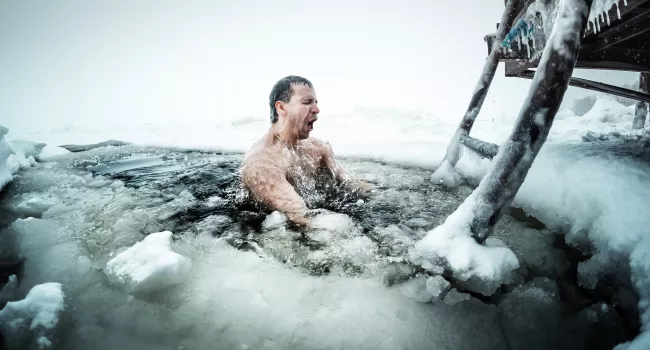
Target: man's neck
<point x="284" y="135"/>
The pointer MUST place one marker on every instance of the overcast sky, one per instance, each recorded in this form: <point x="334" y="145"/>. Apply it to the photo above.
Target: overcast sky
<point x="123" y="61"/>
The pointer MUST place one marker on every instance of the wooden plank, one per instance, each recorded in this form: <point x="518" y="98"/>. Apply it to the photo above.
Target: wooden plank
<point x="613" y="15"/>
<point x="623" y="31"/>
<point x="631" y="57"/>
<point x="609" y="65"/>
<point x="600" y="87"/>
<point x="515" y="67"/>
<point x="641" y="108"/>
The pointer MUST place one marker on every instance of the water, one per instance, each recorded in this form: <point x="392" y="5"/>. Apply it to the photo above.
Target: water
<point x="254" y="286"/>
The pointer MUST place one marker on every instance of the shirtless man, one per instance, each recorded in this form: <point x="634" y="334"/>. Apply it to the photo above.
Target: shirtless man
<point x="286" y="157"/>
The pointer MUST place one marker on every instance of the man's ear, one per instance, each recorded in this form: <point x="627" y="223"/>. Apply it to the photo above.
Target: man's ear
<point x="281" y="108"/>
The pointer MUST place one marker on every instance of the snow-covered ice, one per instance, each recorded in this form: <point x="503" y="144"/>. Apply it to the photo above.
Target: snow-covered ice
<point x="149" y="265"/>
<point x="571" y="188"/>
<point x="482" y="268"/>
<point x="34" y="319"/>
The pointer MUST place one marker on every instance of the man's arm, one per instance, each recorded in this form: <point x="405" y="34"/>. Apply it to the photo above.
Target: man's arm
<point x="341" y="174"/>
<point x="268" y="183"/>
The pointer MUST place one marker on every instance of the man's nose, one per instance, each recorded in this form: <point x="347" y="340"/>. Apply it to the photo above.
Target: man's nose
<point x="315" y="109"/>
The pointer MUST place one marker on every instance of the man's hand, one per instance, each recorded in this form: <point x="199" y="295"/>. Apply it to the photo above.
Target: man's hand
<point x="364" y="188"/>
<point x="299" y="220"/>
<point x="359" y="187"/>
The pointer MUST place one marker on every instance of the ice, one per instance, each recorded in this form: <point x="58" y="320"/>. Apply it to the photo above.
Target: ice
<point x="6" y="175"/>
<point x="333" y="222"/>
<point x="149" y="265"/>
<point x="527" y="308"/>
<point x="481" y="268"/>
<point x="35" y="206"/>
<point x="454" y="297"/>
<point x="416" y="288"/>
<point x="51" y="152"/>
<point x="446" y="175"/>
<point x="274" y="220"/>
<point x="33" y="319"/>
<point x="26" y="148"/>
<point x="438" y="287"/>
<point x="600" y="7"/>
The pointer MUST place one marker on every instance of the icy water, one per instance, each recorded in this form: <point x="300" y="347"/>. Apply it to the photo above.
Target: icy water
<point x="256" y="284"/>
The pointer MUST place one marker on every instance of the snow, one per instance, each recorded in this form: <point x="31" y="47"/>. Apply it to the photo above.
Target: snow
<point x="34" y="317"/>
<point x="5" y="151"/>
<point x="446" y="175"/>
<point x="149" y="265"/>
<point x="50" y="152"/>
<point x="481" y="268"/>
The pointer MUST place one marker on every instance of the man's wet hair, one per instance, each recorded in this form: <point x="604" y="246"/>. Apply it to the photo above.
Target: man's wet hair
<point x="282" y="92"/>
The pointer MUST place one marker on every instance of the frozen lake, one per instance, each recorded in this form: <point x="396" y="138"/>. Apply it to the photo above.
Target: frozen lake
<point x="255" y="284"/>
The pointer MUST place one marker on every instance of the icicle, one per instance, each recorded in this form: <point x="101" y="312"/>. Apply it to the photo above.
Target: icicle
<point x="625" y="2"/>
<point x="527" y="47"/>
<point x="618" y="11"/>
<point x="607" y="15"/>
<point x="534" y="45"/>
<point x="519" y="42"/>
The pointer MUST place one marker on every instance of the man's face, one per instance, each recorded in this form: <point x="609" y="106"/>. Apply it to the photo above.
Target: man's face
<point x="302" y="110"/>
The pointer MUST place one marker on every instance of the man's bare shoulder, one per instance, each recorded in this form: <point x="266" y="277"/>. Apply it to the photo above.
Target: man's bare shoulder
<point x="320" y="146"/>
<point x="261" y="148"/>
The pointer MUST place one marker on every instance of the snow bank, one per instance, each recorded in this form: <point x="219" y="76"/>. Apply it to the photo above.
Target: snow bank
<point x="5" y="152"/>
<point x="479" y="268"/>
<point x="149" y="265"/>
<point x="16" y="155"/>
<point x="33" y="319"/>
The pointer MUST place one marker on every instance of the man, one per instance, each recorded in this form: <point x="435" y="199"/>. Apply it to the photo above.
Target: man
<point x="286" y="164"/>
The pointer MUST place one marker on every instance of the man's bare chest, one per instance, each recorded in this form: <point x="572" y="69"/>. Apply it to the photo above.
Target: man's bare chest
<point x="301" y="166"/>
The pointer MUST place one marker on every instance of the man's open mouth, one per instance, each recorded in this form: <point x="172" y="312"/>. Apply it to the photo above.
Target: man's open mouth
<point x="310" y="125"/>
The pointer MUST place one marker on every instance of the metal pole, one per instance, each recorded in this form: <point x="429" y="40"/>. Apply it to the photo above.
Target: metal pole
<point x="510" y="167"/>
<point x="481" y="89"/>
<point x="641" y="108"/>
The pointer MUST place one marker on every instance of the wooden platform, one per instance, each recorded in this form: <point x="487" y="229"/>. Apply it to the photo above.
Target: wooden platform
<point x="623" y="45"/>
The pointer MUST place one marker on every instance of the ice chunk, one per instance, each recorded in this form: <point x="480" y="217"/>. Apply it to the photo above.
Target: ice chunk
<point x="438" y="287"/>
<point x="333" y="222"/>
<point x="5" y="151"/>
<point x="149" y="265"/>
<point x="397" y="273"/>
<point x="274" y="220"/>
<point x="50" y="152"/>
<point x="33" y="207"/>
<point x="446" y="175"/>
<point x="480" y="268"/>
<point x="33" y="319"/>
<point x="26" y="148"/>
<point x="16" y="162"/>
<point x="416" y="289"/>
<point x="454" y="297"/>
